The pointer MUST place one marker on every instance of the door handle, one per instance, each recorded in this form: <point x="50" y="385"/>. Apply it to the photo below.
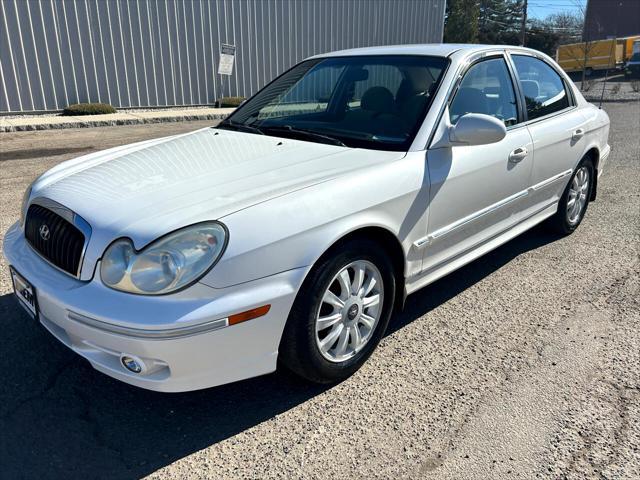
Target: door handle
<point x="578" y="134"/>
<point x="518" y="155"/>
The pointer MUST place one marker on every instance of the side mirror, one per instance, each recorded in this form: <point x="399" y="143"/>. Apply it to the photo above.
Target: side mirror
<point x="477" y="129"/>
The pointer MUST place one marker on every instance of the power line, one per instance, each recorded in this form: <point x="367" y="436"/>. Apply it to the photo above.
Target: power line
<point x="548" y="4"/>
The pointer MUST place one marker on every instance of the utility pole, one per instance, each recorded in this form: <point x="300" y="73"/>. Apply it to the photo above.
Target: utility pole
<point x="523" y="27"/>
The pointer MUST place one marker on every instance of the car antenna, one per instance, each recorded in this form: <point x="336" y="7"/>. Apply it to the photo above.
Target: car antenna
<point x="614" y="42"/>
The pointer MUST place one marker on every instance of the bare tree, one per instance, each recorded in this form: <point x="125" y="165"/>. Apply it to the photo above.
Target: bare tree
<point x="587" y="41"/>
<point x="568" y="26"/>
<point x="571" y="28"/>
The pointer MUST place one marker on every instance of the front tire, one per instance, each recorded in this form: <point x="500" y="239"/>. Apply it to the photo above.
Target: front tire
<point x="340" y="313"/>
<point x="575" y="199"/>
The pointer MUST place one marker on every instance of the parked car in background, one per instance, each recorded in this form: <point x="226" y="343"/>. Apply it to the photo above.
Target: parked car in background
<point x="632" y="68"/>
<point x="291" y="232"/>
<point x="630" y="45"/>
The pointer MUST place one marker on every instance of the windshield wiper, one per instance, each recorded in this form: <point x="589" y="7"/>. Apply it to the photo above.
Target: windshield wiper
<point x="231" y="125"/>
<point x="303" y="133"/>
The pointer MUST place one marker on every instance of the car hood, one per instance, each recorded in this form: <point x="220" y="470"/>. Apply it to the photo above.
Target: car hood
<point x="145" y="190"/>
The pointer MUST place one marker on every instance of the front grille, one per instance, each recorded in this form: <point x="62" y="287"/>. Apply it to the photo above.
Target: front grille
<point x="56" y="239"/>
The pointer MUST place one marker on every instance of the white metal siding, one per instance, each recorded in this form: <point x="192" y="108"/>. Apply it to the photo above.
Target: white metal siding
<point x="139" y="53"/>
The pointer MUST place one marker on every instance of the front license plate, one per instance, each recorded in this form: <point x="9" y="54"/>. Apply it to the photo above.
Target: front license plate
<point x="25" y="292"/>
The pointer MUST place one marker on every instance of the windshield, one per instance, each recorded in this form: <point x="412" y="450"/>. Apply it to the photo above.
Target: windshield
<point x="635" y="57"/>
<point x="373" y="102"/>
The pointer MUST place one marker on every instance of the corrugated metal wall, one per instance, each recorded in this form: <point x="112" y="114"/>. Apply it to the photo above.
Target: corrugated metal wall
<point x="138" y="53"/>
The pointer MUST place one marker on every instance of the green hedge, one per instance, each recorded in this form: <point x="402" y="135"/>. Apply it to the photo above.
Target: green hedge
<point x="229" y="102"/>
<point x="88" y="109"/>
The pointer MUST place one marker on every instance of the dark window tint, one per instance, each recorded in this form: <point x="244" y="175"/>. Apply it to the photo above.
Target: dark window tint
<point x="543" y="88"/>
<point x="486" y="88"/>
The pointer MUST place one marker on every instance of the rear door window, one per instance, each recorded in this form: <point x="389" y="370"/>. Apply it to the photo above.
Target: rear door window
<point x="544" y="91"/>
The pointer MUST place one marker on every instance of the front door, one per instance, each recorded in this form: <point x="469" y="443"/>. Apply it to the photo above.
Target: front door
<point x="478" y="191"/>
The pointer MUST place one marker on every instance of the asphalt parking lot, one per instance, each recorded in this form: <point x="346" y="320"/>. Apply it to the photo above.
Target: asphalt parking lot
<point x="523" y="364"/>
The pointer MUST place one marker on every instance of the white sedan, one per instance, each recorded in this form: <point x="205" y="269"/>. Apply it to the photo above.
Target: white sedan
<point x="291" y="232"/>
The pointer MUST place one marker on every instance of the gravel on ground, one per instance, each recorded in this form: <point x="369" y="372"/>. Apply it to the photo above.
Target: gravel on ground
<point x="616" y="88"/>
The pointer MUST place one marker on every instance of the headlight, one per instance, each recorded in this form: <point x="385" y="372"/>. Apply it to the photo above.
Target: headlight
<point x="23" y="208"/>
<point x="166" y="265"/>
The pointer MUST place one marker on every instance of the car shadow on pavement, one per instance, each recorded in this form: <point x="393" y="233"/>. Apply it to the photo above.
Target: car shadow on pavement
<point x="61" y="419"/>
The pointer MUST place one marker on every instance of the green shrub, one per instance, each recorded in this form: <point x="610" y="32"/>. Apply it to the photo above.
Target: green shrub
<point x="229" y="102"/>
<point x="88" y="109"/>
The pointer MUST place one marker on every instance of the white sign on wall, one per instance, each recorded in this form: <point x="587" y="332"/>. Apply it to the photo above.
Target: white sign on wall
<point x="227" y="56"/>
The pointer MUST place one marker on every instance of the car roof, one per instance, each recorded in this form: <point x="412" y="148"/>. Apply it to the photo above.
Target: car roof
<point x="431" y="49"/>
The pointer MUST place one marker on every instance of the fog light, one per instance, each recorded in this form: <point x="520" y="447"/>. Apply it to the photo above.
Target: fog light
<point x="133" y="364"/>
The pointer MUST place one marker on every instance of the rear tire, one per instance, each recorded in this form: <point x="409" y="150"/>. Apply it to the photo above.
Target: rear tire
<point x="574" y="200"/>
<point x="340" y="313"/>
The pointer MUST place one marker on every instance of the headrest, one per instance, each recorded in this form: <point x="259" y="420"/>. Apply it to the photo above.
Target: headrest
<point x="530" y="88"/>
<point x="416" y="81"/>
<point x="378" y="99"/>
<point x="469" y="100"/>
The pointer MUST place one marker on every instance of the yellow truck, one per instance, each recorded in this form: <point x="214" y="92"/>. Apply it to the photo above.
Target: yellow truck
<point x="608" y="54"/>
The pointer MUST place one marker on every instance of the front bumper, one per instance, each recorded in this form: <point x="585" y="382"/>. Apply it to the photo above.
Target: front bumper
<point x="180" y="337"/>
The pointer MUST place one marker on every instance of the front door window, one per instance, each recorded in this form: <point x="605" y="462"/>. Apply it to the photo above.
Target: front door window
<point x="486" y="88"/>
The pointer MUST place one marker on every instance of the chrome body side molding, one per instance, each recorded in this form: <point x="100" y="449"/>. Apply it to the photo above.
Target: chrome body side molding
<point x="426" y="277"/>
<point x="424" y="241"/>
<point x="549" y="181"/>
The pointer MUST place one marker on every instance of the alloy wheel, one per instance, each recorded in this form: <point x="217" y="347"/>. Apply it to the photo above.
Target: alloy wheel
<point x="578" y="193"/>
<point x="349" y="311"/>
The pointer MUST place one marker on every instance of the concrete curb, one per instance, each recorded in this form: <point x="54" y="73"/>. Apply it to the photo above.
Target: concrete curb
<point x="59" y="122"/>
<point x="596" y="99"/>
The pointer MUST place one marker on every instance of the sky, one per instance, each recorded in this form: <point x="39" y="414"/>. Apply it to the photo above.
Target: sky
<point x="541" y="8"/>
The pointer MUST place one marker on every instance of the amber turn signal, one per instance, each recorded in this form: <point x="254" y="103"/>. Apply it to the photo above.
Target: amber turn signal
<point x="249" y="314"/>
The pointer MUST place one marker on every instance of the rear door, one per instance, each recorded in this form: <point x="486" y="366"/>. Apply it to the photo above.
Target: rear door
<point x="478" y="191"/>
<point x="556" y="125"/>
